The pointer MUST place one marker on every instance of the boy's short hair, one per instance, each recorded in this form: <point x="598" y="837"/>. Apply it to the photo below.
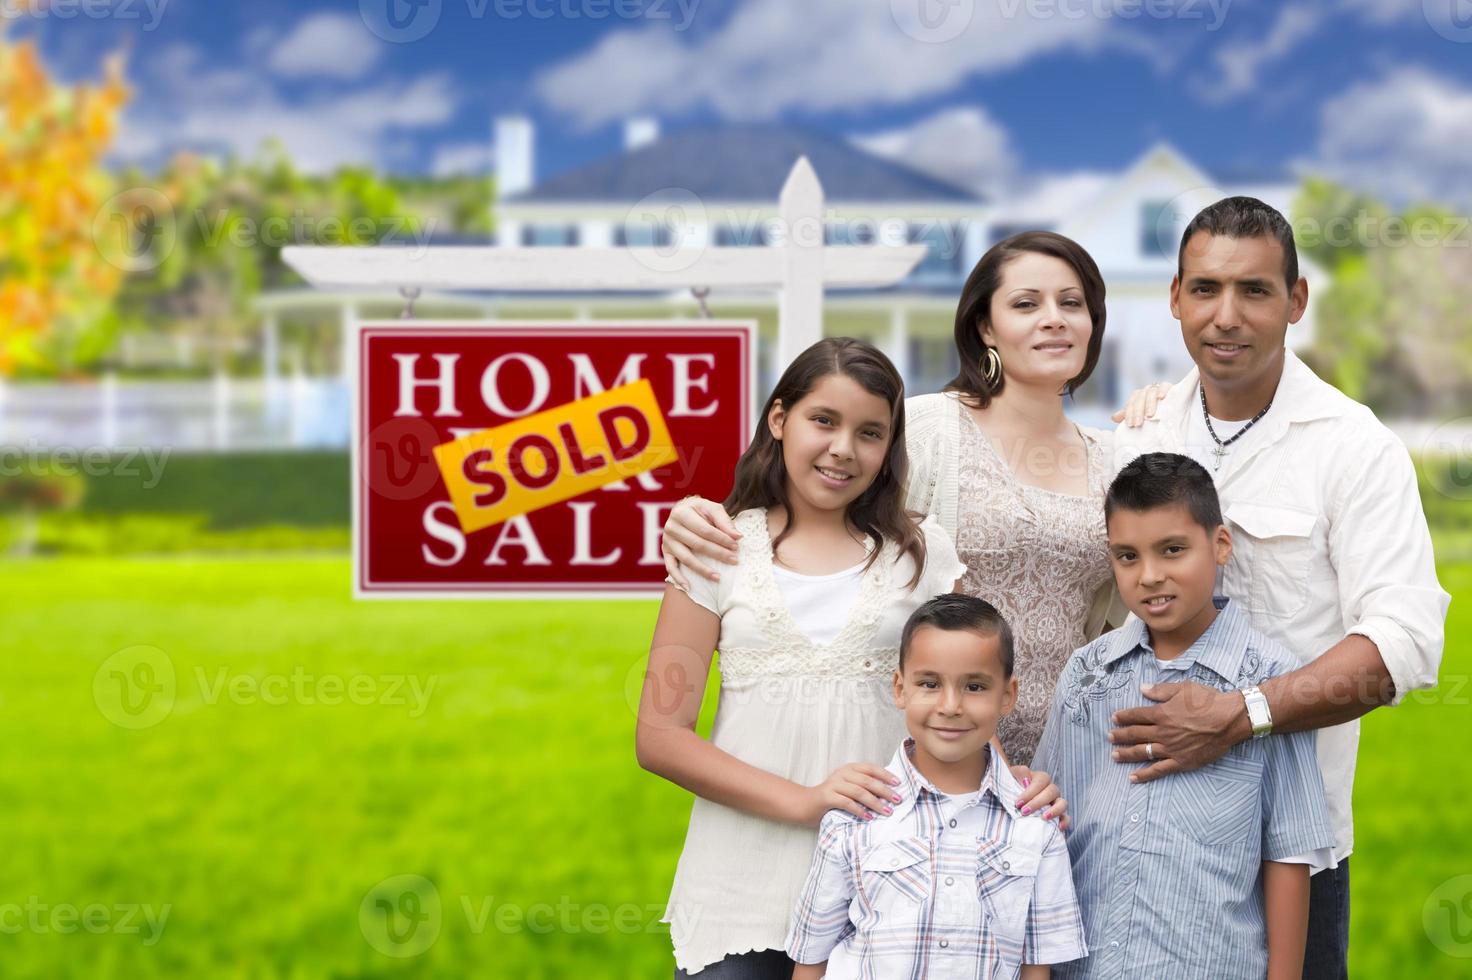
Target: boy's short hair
<point x="1161" y="480"/>
<point x="955" y="611"/>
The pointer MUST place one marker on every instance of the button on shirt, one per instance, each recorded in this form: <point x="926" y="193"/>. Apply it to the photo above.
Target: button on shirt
<point x="1168" y="872"/>
<point x="1328" y="538"/>
<point x="946" y="886"/>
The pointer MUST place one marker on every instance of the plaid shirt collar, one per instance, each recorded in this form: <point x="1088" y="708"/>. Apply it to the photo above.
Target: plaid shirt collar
<point x="1221" y="648"/>
<point x="998" y="781"/>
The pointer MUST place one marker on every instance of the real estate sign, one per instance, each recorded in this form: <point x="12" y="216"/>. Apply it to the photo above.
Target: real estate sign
<point x="515" y="459"/>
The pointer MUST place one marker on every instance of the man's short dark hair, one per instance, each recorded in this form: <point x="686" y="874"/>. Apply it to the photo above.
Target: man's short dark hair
<point x="955" y="611"/>
<point x="1164" y="480"/>
<point x="1243" y="217"/>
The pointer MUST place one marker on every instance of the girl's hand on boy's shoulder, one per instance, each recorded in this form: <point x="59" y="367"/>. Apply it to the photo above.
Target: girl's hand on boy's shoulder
<point x="1041" y="795"/>
<point x="860" y="788"/>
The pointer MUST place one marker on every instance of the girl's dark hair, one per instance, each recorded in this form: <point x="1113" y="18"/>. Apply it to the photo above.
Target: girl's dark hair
<point x="976" y="306"/>
<point x="879" y="512"/>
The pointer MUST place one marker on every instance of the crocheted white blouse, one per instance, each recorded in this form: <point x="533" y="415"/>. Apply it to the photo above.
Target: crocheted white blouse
<point x="797" y="709"/>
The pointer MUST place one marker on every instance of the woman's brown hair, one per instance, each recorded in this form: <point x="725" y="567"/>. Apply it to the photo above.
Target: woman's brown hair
<point x="879" y="512"/>
<point x="975" y="309"/>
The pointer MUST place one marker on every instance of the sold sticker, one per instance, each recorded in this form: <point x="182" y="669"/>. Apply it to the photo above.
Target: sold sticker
<point x="503" y="472"/>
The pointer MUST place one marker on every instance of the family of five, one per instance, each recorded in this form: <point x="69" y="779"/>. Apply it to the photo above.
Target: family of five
<point x="1000" y="694"/>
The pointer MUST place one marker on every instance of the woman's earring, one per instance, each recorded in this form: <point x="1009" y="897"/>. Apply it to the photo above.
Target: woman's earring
<point x="991" y="367"/>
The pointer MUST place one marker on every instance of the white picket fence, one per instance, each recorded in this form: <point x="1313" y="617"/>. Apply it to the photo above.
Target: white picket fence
<point x="223" y="413"/>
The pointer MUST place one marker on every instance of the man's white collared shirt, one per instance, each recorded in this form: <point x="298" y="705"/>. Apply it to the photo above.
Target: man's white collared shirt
<point x="1329" y="538"/>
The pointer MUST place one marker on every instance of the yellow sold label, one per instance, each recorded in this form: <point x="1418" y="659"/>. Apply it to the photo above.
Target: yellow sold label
<point x="499" y="473"/>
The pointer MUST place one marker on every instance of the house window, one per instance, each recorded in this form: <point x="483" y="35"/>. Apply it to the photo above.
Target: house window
<point x="1006" y="230"/>
<point x="742" y="235"/>
<point x="1158" y="232"/>
<point x="943" y="262"/>
<point x="850" y="233"/>
<point x="542" y="236"/>
<point x="643" y="235"/>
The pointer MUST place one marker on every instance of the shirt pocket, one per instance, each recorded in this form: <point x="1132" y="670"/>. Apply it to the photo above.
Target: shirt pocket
<point x="1273" y="547"/>
<point x="1005" y="880"/>
<point x="1221" y="803"/>
<point x="896" y="872"/>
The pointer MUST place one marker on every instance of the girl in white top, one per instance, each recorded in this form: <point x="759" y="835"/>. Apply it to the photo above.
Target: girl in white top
<point x="808" y="624"/>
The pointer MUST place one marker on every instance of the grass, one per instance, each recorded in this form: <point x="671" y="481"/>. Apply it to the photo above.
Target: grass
<point x="265" y="824"/>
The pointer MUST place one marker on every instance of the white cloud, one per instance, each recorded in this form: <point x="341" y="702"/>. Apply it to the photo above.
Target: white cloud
<point x="227" y="110"/>
<point x="1242" y="60"/>
<point x="817" y="55"/>
<point x="1407" y="136"/>
<point x="324" y="46"/>
<point x="963" y="145"/>
<point x="463" y="158"/>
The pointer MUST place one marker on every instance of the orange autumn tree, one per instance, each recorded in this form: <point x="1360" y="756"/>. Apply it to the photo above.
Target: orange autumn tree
<point x="55" y="280"/>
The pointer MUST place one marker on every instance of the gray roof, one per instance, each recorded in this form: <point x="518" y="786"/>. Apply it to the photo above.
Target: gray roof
<point x="743" y="162"/>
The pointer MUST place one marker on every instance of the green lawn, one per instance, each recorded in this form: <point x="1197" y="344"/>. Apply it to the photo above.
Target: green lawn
<point x="271" y="801"/>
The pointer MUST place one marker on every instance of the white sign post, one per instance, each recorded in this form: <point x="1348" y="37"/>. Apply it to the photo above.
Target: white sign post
<point x="799" y="268"/>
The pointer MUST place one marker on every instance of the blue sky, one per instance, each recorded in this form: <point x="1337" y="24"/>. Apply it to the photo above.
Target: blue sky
<point x="990" y="93"/>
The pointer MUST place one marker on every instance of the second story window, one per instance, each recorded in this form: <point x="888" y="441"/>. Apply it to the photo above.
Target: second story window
<point x="742" y="235"/>
<point x="541" y="236"/>
<point x="643" y="235"/>
<point x="1158" y="231"/>
<point x="943" y="261"/>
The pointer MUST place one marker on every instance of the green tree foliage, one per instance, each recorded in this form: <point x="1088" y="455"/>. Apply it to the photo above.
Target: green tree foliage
<point x="1394" y="320"/>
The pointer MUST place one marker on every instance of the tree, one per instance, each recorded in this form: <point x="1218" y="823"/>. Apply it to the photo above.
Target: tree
<point x="56" y="280"/>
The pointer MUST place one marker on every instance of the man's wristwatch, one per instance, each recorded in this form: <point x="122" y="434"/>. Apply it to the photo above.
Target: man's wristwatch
<point x="1257" y="711"/>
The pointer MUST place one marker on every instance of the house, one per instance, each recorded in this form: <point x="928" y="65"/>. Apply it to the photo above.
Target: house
<point x="719" y="185"/>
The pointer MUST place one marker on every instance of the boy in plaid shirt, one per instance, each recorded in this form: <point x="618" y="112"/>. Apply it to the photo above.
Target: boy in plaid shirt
<point x="956" y="882"/>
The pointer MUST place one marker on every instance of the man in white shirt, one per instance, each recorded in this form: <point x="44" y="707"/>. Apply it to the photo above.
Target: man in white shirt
<point x="1332" y="556"/>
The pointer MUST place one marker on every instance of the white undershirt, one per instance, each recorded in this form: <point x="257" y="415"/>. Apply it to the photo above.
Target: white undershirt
<point x="819" y="604"/>
<point x="1201" y="447"/>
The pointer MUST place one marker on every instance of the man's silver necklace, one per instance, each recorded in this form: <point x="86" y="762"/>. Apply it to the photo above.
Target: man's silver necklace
<point x="1221" y="447"/>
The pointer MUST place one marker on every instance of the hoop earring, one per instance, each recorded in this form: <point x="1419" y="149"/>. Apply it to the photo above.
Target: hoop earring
<point x="991" y="367"/>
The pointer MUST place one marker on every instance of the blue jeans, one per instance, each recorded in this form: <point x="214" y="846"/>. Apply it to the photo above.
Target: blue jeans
<point x="1326" y="956"/>
<point x="766" y="964"/>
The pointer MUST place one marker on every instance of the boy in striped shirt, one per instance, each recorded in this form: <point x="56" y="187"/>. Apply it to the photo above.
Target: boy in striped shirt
<point x="1205" y="874"/>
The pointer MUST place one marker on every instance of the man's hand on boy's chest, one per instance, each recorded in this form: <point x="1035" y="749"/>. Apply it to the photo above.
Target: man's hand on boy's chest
<point x="1189" y="726"/>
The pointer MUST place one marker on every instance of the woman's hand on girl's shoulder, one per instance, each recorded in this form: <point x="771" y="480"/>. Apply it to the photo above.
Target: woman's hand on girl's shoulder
<point x="859" y="788"/>
<point x="700" y="527"/>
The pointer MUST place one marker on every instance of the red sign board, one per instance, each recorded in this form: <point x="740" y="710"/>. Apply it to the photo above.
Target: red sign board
<point x="517" y="459"/>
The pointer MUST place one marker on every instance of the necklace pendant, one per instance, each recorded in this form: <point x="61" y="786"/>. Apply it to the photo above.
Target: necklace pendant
<point x="1220" y="453"/>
